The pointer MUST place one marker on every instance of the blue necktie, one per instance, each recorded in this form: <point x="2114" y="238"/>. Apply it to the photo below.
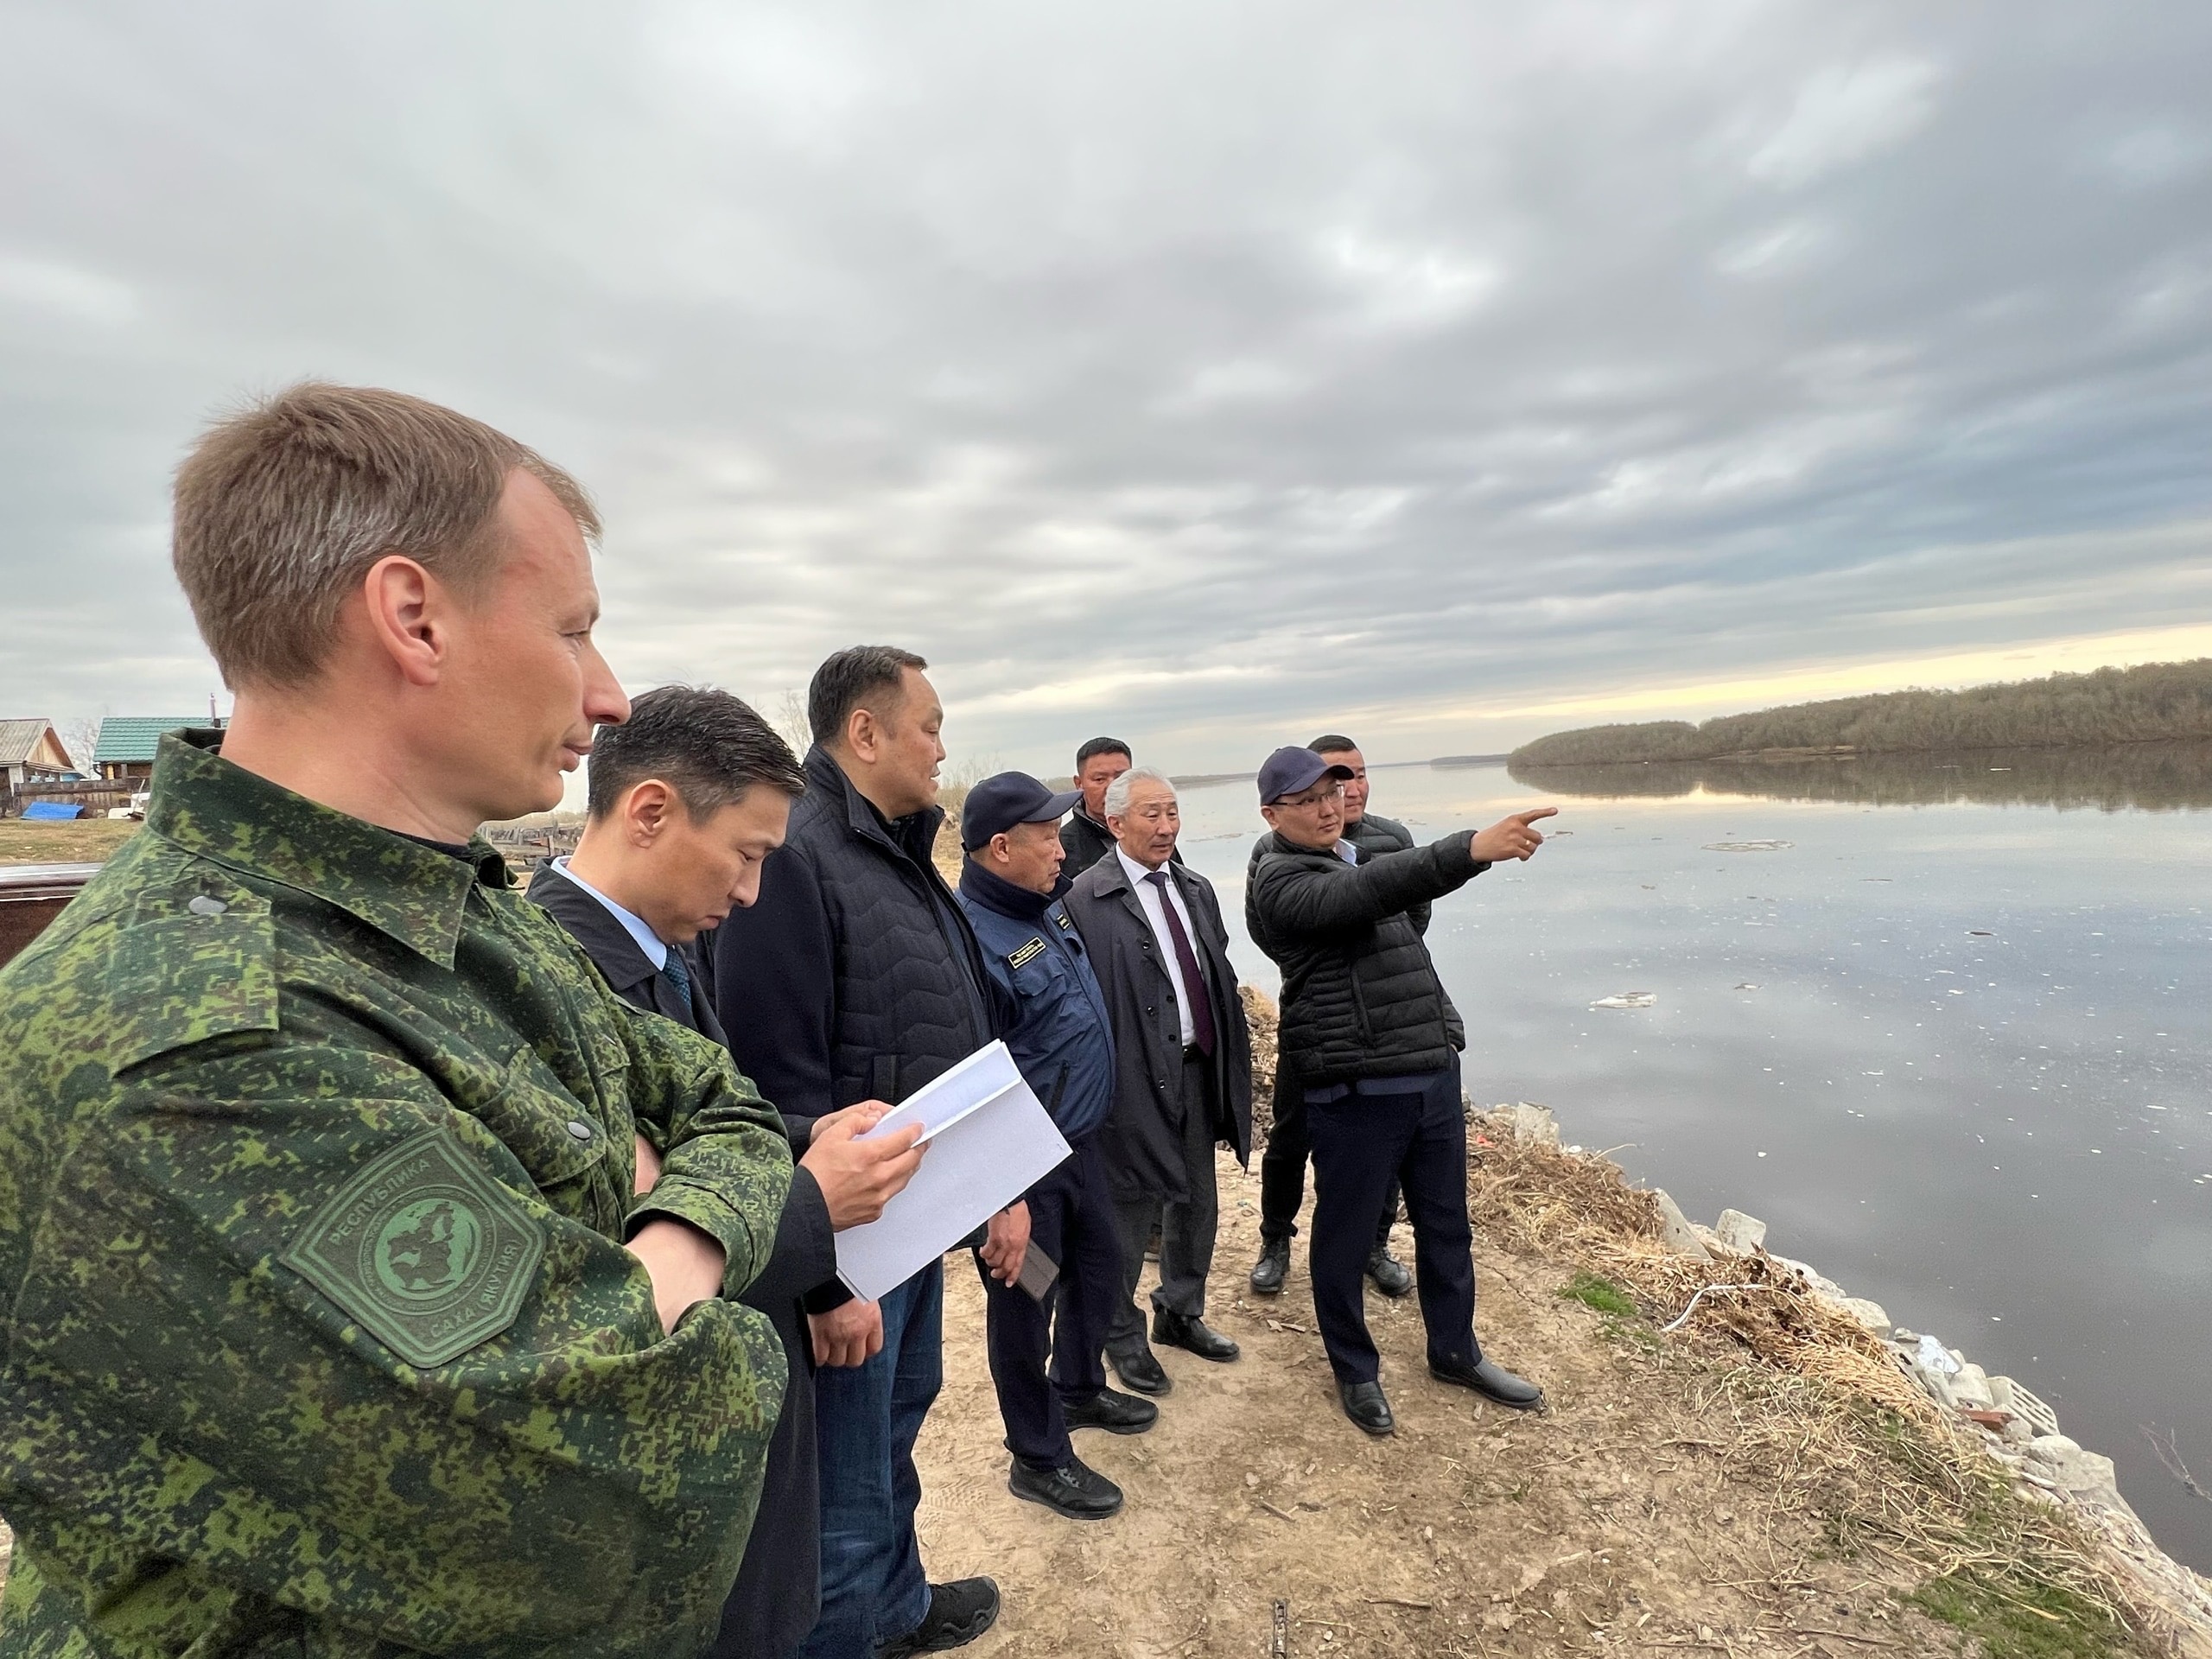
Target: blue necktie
<point x="680" y="976"/>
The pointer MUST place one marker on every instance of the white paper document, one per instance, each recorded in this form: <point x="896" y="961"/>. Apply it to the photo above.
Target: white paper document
<point x="989" y="1141"/>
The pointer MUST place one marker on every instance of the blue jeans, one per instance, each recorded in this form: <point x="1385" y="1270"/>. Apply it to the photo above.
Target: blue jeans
<point x="867" y="1418"/>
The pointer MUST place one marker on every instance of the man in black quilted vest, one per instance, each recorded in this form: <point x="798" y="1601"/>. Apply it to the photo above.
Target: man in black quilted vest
<point x="855" y="976"/>
<point x="1374" y="1044"/>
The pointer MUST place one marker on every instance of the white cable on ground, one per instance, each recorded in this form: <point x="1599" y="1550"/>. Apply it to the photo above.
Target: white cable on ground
<point x="1682" y="1317"/>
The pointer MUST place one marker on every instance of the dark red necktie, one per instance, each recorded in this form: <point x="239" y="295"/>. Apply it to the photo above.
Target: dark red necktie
<point x="1194" y="982"/>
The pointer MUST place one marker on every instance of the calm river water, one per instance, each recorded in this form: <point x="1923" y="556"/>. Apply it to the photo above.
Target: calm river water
<point x="1951" y="1038"/>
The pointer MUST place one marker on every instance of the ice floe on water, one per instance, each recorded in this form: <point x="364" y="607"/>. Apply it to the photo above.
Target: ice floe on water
<point x="1627" y="999"/>
<point x="1748" y="846"/>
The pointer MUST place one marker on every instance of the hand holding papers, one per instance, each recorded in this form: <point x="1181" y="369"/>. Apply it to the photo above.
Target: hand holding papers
<point x="858" y="1176"/>
<point x="990" y="1141"/>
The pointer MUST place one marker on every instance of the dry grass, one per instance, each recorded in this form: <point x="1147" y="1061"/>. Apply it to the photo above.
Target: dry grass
<point x="86" y="841"/>
<point x="1543" y="1200"/>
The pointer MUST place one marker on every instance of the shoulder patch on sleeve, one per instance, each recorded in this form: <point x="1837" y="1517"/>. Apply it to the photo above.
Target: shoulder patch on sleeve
<point x="1028" y="952"/>
<point x="173" y="981"/>
<point x="427" y="1252"/>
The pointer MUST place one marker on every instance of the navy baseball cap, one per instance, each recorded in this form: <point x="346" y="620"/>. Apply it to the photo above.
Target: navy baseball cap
<point x="996" y="804"/>
<point x="1290" y="770"/>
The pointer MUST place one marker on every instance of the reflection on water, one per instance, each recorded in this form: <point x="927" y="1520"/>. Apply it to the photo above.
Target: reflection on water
<point x="2152" y="776"/>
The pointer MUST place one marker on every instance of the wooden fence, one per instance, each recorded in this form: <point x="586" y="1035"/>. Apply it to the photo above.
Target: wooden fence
<point x="95" y="795"/>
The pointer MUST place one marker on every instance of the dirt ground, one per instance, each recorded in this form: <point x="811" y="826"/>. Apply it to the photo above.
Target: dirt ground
<point x="1618" y="1521"/>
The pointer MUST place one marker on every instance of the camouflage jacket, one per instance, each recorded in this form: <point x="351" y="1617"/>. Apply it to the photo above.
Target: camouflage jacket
<point x="316" y="1160"/>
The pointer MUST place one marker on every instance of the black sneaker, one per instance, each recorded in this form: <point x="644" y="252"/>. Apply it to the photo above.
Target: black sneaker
<point x="1117" y="1413"/>
<point x="1074" y="1490"/>
<point x="959" y="1612"/>
<point x="1267" y="1273"/>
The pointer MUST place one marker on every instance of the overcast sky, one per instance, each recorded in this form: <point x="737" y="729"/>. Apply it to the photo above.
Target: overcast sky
<point x="1203" y="374"/>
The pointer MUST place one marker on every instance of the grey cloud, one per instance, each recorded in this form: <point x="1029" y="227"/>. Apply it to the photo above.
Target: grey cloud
<point x="1187" y="372"/>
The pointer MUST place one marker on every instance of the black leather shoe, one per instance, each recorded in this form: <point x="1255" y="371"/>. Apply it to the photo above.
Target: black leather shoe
<point x="1490" y="1381"/>
<point x="1388" y="1273"/>
<point x="1140" y="1369"/>
<point x="1267" y="1272"/>
<point x="1117" y="1413"/>
<point x="959" y="1612"/>
<point x="1075" y="1490"/>
<point x="1181" y="1330"/>
<point x="1364" y="1405"/>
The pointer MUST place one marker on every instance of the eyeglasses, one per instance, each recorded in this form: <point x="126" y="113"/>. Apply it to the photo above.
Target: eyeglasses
<point x="1333" y="792"/>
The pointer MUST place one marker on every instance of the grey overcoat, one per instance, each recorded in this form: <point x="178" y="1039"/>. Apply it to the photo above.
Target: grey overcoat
<point x="1142" y="1149"/>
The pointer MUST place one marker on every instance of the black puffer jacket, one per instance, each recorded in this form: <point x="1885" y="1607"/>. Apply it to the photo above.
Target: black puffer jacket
<point x="1360" y="997"/>
<point x="1374" y="835"/>
<point x="854" y="976"/>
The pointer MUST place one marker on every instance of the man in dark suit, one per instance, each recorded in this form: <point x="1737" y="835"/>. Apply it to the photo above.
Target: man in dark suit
<point x="1183" y="1067"/>
<point x="687" y="800"/>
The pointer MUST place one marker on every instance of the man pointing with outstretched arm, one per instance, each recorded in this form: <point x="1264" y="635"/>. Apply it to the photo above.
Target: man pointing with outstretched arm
<point x="1375" y="1045"/>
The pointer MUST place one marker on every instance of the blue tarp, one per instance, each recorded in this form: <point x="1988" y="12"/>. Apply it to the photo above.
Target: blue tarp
<point x="51" y="811"/>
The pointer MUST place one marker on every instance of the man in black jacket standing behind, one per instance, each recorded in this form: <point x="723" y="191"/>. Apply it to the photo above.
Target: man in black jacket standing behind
<point x="855" y="976"/>
<point x="1084" y="836"/>
<point x="688" y="798"/>
<point x="1374" y="1043"/>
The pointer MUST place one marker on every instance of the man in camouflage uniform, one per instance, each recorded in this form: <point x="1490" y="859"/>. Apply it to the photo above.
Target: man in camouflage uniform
<point x="334" y="1326"/>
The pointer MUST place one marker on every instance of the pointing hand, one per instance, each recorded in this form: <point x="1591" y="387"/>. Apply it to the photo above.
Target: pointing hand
<point x="1510" y="837"/>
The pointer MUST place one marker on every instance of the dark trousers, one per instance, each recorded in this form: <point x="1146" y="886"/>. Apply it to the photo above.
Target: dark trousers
<point x="1359" y="1143"/>
<point x="1282" y="1168"/>
<point x="1071" y="1220"/>
<point x="1187" y="1225"/>
<point x="866" y="1419"/>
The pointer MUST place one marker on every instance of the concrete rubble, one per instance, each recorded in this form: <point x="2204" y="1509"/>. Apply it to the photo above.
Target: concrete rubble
<point x="1740" y="1233"/>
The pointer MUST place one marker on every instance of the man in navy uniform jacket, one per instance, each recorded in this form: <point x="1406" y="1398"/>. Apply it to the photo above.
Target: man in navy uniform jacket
<point x="1010" y="885"/>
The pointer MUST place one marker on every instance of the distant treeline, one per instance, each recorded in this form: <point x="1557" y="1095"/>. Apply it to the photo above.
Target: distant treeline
<point x="2159" y="701"/>
<point x="2143" y="777"/>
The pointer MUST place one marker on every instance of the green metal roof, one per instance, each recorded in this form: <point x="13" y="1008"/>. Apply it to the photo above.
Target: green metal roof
<point x="134" y="737"/>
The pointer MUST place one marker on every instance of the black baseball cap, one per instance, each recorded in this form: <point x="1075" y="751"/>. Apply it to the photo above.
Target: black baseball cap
<point x="996" y="804"/>
<point x="1290" y="770"/>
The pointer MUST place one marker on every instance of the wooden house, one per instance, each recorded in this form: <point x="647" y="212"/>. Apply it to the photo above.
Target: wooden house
<point x="31" y="753"/>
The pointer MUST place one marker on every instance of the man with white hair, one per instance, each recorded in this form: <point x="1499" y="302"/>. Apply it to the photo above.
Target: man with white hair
<point x="1183" y="1067"/>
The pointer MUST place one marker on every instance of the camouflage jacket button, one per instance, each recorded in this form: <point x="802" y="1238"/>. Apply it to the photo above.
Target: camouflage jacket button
<point x="205" y="906"/>
<point x="581" y="1129"/>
